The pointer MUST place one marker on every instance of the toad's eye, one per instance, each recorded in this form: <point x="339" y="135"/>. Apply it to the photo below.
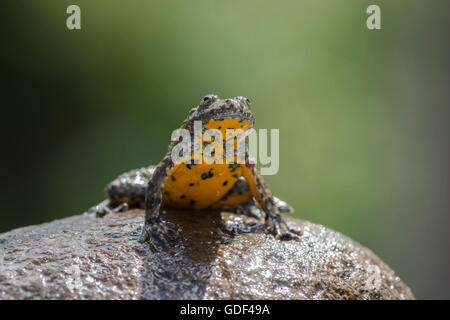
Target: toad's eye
<point x="209" y="99"/>
<point x="244" y="100"/>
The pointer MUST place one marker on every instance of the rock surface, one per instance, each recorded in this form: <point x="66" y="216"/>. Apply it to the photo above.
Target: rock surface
<point x="221" y="256"/>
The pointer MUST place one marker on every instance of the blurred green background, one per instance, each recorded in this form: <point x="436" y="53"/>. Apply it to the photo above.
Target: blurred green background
<point x="363" y="115"/>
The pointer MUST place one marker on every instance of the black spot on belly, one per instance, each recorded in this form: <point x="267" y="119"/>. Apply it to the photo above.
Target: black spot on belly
<point x="182" y="196"/>
<point x="173" y="178"/>
<point x="225" y="183"/>
<point x="192" y="202"/>
<point x="191" y="184"/>
<point x="235" y="175"/>
<point x="207" y="175"/>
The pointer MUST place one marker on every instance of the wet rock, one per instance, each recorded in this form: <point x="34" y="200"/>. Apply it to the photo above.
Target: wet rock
<point x="220" y="256"/>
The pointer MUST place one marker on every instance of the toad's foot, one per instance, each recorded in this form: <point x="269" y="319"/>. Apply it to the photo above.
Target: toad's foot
<point x="105" y="208"/>
<point x="250" y="208"/>
<point x="278" y="227"/>
<point x="162" y="231"/>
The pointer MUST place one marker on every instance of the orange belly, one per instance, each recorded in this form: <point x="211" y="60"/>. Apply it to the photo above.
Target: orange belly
<point x="203" y="186"/>
<point x="199" y="187"/>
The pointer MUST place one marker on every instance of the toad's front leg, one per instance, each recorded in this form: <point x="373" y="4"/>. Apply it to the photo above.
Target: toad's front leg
<point x="274" y="222"/>
<point x="153" y="197"/>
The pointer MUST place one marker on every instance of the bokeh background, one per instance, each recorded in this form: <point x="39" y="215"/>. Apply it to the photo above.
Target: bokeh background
<point x="363" y="115"/>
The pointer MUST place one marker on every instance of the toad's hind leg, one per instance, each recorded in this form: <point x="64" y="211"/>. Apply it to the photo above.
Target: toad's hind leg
<point x="282" y="205"/>
<point x="125" y="192"/>
<point x="153" y="197"/>
<point x="106" y="207"/>
<point x="251" y="208"/>
<point x="274" y="222"/>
